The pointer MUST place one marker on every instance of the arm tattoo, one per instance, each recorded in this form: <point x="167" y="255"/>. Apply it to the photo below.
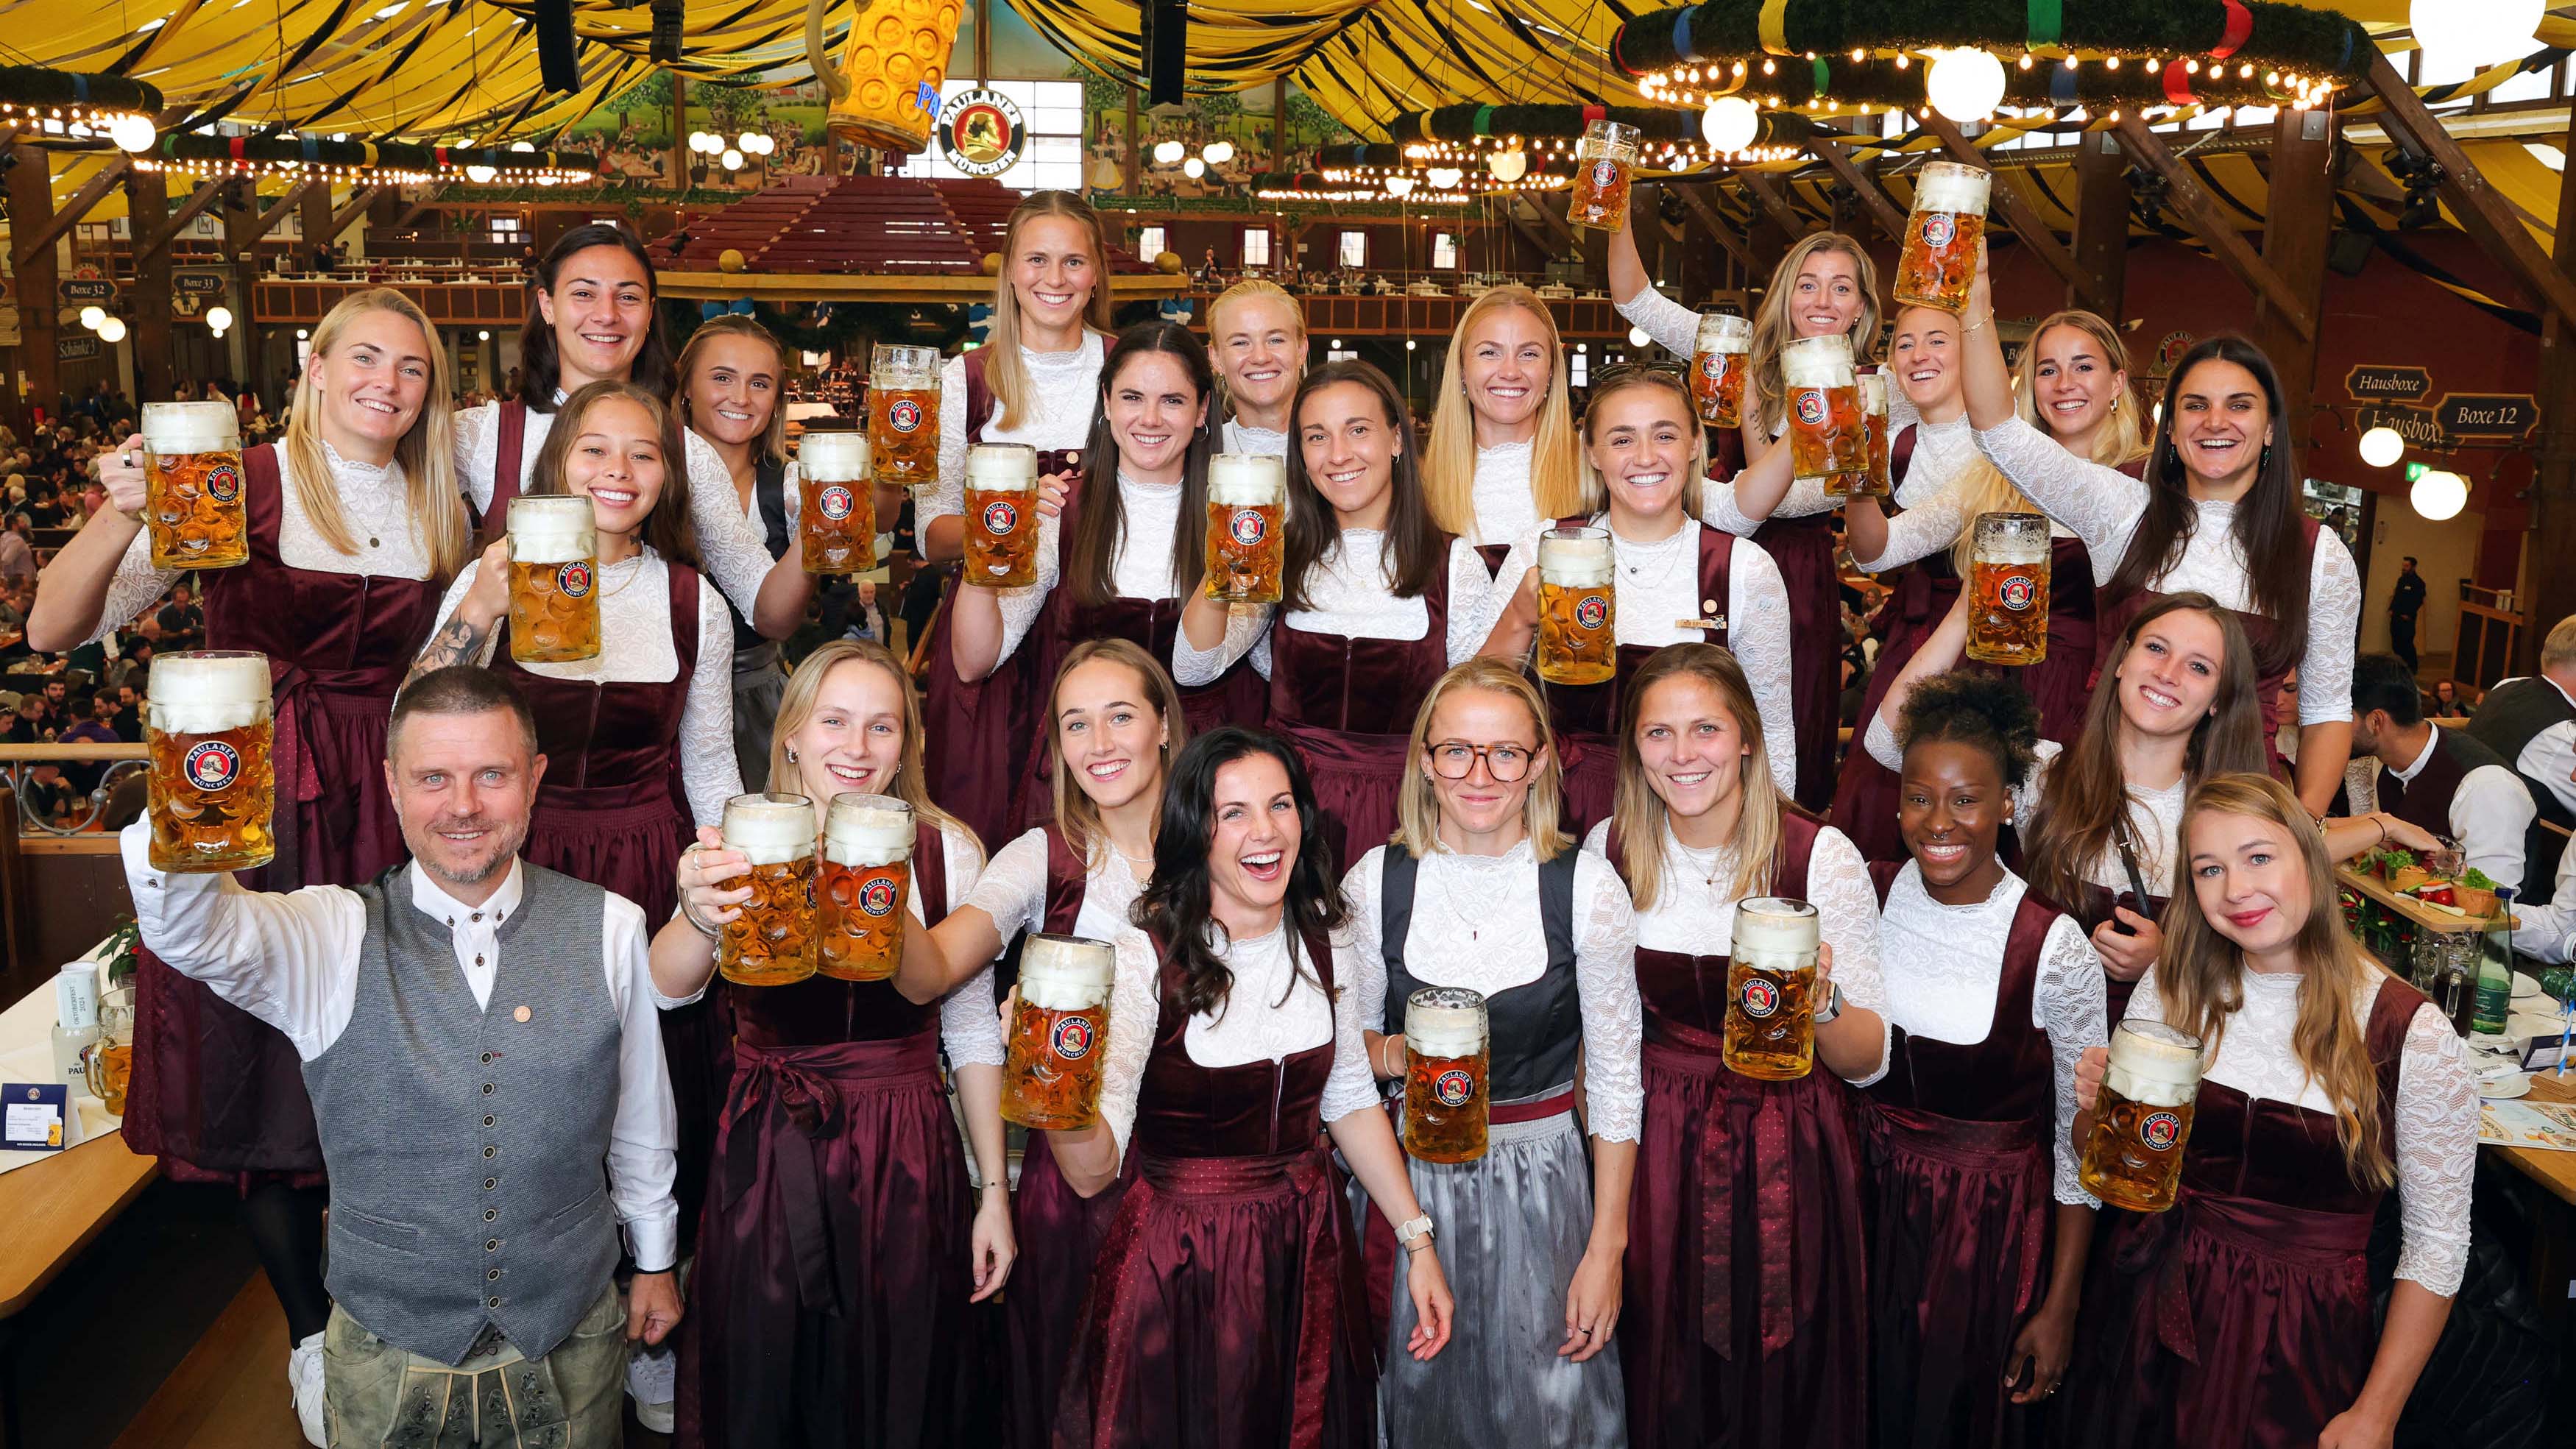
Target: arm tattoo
<point x="459" y="643"/>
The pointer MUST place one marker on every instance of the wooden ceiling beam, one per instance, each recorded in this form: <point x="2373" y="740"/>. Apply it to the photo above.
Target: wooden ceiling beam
<point x="2483" y="213"/>
<point x="71" y="211"/>
<point x="1707" y="216"/>
<point x="267" y="221"/>
<point x="1774" y="200"/>
<point x="206" y="194"/>
<point x="2201" y="212"/>
<point x="1882" y="207"/>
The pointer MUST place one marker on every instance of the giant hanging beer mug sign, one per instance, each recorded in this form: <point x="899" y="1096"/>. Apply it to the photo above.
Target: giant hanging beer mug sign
<point x="885" y="91"/>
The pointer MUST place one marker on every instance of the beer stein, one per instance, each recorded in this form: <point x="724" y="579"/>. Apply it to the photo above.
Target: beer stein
<point x="771" y="943"/>
<point x="1001" y="515"/>
<point x="837" y="508"/>
<point x="554" y="580"/>
<point x="860" y="887"/>
<point x="1247" y="501"/>
<point x="2142" y="1119"/>
<point x="1603" y="162"/>
<point x="903" y="414"/>
<point x="1871" y="481"/>
<point x="1949" y="219"/>
<point x="1446" y="1062"/>
<point x="1720" y="358"/>
<point x="213" y="789"/>
<point x="192" y="479"/>
<point x="1578" y="635"/>
<point x="108" y="1062"/>
<point x="2008" y="589"/>
<point x="1826" y="432"/>
<point x="1771" y="989"/>
<point x="1059" y="1033"/>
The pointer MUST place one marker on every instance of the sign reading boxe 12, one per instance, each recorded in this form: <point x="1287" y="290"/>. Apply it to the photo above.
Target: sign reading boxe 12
<point x="2488" y="414"/>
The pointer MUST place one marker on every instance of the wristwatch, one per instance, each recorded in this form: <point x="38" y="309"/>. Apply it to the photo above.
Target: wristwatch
<point x="1416" y="1231"/>
<point x="1833" y="1006"/>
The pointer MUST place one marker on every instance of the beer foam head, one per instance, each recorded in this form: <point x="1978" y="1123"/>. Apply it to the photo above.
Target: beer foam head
<point x="1817" y="362"/>
<point x="173" y="428"/>
<point x="1724" y="332"/>
<point x="1575" y="558"/>
<point x="860" y="829"/>
<point x="1775" y="925"/>
<point x="2014" y="538"/>
<point x="1949" y="186"/>
<point x="1873" y="392"/>
<point x="2153" y="1063"/>
<point x="1002" y="465"/>
<point x="1444" y="1021"/>
<point x="1247" y="480"/>
<point x="552" y="530"/>
<point x="208" y="691"/>
<point x="1609" y="137"/>
<point x="904" y="365"/>
<point x="770" y="829"/>
<point x="839" y="456"/>
<point x="1066" y="973"/>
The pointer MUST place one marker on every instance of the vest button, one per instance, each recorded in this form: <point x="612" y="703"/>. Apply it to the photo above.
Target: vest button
<point x="491" y="1302"/>
<point x="491" y="1245"/>
<point x="487" y="1121"/>
<point x="492" y="1275"/>
<point x="490" y="1213"/>
<point x="487" y="1089"/>
<point x="487" y="1057"/>
<point x="490" y="1183"/>
<point x="491" y="1151"/>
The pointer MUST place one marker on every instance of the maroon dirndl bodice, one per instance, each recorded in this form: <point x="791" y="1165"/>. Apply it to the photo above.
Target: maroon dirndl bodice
<point x="1804" y="550"/>
<point x="1225" y="1311"/>
<point x="1962" y="1210"/>
<point x="1585" y="717"/>
<point x="1347" y="705"/>
<point x="2243" y="1316"/>
<point x="1746" y="1311"/>
<point x="215" y="1089"/>
<point x="2261" y="630"/>
<point x="2093" y="914"/>
<point x="830" y="1303"/>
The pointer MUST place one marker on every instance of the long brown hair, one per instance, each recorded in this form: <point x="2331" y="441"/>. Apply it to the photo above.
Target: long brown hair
<point x="1774" y="329"/>
<point x="1416" y="548"/>
<point x="426" y="450"/>
<point x="1556" y="468"/>
<point x="796" y="706"/>
<point x="1075" y="815"/>
<point x="2200" y="974"/>
<point x="541" y="363"/>
<point x="1006" y="377"/>
<point x="1417" y="801"/>
<point x="667" y="529"/>
<point x="2088" y="793"/>
<point x="772" y="446"/>
<point x="1596" y="489"/>
<point x="1638" y="813"/>
<point x="1100" y="525"/>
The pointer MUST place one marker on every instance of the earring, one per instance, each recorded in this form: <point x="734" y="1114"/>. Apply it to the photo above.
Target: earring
<point x="791" y="757"/>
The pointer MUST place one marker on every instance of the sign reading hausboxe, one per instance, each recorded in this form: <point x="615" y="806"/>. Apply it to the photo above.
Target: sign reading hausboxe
<point x="2382" y="383"/>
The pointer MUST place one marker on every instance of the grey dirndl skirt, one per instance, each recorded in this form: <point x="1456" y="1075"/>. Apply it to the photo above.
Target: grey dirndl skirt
<point x="759" y="684"/>
<point x="1511" y="1228"/>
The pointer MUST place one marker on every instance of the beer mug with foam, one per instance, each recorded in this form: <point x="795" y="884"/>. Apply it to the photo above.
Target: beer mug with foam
<point x="771" y="943"/>
<point x="1941" y="235"/>
<point x="554" y="580"/>
<point x="837" y="506"/>
<point x="1720" y="359"/>
<point x="860" y="889"/>
<point x="1827" y="434"/>
<point x="1604" y="160"/>
<point x="213" y="789"/>
<point x="1871" y="481"/>
<point x="1446" y="1075"/>
<point x="1001" y="515"/>
<point x="1059" y="1033"/>
<point x="903" y="414"/>
<point x="2008" y="589"/>
<point x="2142" y="1119"/>
<point x="192" y="479"/>
<point x="1247" y="502"/>
<point x="1770" y="1031"/>
<point x="1578" y="632"/>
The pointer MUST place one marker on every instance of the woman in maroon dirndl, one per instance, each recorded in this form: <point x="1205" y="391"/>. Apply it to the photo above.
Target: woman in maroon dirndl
<point x="2242" y="1317"/>
<point x="1978" y="1227"/>
<point x="1225" y="1310"/>
<point x="1376" y="604"/>
<point x="842" y="1246"/>
<point x="353" y="525"/>
<point x="1745" y="1317"/>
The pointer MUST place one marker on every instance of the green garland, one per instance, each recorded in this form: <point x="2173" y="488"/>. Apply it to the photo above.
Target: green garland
<point x="189" y="150"/>
<point x="1466" y="123"/>
<point x="36" y="87"/>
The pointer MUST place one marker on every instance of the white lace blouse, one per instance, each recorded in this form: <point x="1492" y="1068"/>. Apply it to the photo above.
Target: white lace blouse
<point x="2155" y="815"/>
<point x="1143" y="569"/>
<point x="1064" y="387"/>
<point x="1944" y="967"/>
<point x="969" y="1027"/>
<point x="1506" y="511"/>
<point x="1934" y="497"/>
<point x="1348" y="595"/>
<point x="1459" y="900"/>
<point x="1696" y="915"/>
<point x="2104" y="505"/>
<point x="635" y="647"/>
<point x="1658" y="586"/>
<point x="1013" y="891"/>
<point x="1242" y="437"/>
<point x="2437" y="1108"/>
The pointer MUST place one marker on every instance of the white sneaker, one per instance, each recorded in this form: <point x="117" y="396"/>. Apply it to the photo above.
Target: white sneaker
<point x="304" y="1376"/>
<point x="653" y="1382"/>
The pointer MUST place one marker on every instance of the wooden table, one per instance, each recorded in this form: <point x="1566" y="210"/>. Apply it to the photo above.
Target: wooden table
<point x="2425" y="917"/>
<point x="55" y="1208"/>
<point x="2555" y="1171"/>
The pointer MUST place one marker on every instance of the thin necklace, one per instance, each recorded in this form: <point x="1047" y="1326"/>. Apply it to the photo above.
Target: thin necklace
<point x="1474" y="931"/>
<point x="619" y="587"/>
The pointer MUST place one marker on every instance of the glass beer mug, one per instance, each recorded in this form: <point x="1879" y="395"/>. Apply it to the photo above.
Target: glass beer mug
<point x="1949" y="219"/>
<point x="1001" y="515"/>
<point x="213" y="788"/>
<point x="1578" y="634"/>
<point x="1247" y="501"/>
<point x="1720" y="358"/>
<point x="1059" y="1033"/>
<point x="554" y="580"/>
<point x="192" y="480"/>
<point x="903" y="414"/>
<point x="1770" y="1032"/>
<point x="837" y="505"/>
<point x="2008" y="593"/>
<point x="771" y="943"/>
<point x="1827" y="434"/>
<point x="1446" y="1062"/>
<point x="2142" y="1120"/>
<point x="1871" y="481"/>
<point x="108" y="1062"/>
<point x="1604" y="160"/>
<point x="861" y="886"/>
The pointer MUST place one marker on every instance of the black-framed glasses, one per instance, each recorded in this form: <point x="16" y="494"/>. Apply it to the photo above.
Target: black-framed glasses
<point x="1506" y="763"/>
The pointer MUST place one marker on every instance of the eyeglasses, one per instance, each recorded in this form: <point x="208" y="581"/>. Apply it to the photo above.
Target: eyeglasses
<point x="1456" y="759"/>
<point x="1678" y="372"/>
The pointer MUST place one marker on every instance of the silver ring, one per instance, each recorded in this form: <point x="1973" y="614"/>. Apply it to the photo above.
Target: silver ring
<point x="129" y="458"/>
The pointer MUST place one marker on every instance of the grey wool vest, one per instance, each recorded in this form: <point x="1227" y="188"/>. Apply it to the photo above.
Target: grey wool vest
<point x="468" y="1147"/>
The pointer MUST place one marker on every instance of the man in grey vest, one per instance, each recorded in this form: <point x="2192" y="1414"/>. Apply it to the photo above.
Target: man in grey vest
<point x="480" y="1041"/>
<point x="2531" y="722"/>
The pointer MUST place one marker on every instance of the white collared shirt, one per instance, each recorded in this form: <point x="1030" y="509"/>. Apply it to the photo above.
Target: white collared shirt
<point x="2488" y="814"/>
<point x="2550" y="756"/>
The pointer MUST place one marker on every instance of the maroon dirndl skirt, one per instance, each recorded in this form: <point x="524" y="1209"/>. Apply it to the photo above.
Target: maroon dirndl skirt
<point x="1804" y="550"/>
<point x="830" y="1300"/>
<point x="1591" y="781"/>
<point x="1225" y="1313"/>
<point x="1960" y="1219"/>
<point x="1746" y="1311"/>
<point x="1357" y="778"/>
<point x="1059" y="1233"/>
<point x="975" y="737"/>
